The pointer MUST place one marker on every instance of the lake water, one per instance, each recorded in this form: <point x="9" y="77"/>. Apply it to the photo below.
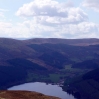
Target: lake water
<point x="47" y="89"/>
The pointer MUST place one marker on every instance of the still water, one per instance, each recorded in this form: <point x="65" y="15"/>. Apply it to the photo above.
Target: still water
<point x="47" y="89"/>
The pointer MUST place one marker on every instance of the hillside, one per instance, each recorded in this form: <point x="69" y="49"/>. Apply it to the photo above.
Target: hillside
<point x="87" y="85"/>
<point x="23" y="95"/>
<point x="10" y="48"/>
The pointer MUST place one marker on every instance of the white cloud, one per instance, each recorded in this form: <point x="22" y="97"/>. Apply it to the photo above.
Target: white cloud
<point x="5" y="25"/>
<point x="49" y="18"/>
<point x="42" y="8"/>
<point x="2" y="12"/>
<point x="11" y="31"/>
<point x="93" y="4"/>
<point x="29" y="29"/>
<point x="52" y="10"/>
<point x="2" y="15"/>
<point x="81" y="30"/>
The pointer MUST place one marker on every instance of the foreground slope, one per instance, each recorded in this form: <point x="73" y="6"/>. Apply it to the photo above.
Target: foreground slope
<point x="23" y="95"/>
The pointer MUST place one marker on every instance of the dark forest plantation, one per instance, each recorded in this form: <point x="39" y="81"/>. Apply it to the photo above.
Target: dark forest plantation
<point x="70" y="63"/>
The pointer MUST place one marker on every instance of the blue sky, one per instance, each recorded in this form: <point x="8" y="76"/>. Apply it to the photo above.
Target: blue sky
<point x="49" y="18"/>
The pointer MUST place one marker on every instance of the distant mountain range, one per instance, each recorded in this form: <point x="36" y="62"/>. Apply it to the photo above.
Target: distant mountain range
<point x="79" y="42"/>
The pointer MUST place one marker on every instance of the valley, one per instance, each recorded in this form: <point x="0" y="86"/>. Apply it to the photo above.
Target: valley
<point x="53" y="61"/>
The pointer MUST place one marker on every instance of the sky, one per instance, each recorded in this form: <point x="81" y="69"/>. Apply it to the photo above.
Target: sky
<point x="70" y="19"/>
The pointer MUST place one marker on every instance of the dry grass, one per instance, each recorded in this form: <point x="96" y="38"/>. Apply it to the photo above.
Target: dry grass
<point x="23" y="95"/>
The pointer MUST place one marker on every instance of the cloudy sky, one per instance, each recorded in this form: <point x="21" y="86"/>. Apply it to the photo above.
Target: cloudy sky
<point x="49" y="18"/>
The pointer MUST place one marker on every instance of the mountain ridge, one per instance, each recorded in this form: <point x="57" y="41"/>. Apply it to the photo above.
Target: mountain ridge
<point x="76" y="42"/>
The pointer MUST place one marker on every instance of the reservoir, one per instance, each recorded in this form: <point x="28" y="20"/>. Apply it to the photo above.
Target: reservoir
<point x="47" y="89"/>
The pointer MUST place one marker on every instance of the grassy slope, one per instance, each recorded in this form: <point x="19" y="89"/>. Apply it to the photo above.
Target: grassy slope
<point x="23" y="95"/>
